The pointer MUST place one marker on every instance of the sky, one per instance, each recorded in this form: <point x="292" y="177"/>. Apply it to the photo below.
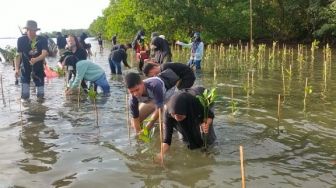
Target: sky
<point x="50" y="15"/>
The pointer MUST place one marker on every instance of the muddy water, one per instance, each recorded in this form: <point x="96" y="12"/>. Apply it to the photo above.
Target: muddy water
<point x="56" y="143"/>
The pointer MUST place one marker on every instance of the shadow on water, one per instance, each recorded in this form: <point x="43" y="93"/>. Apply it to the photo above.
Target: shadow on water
<point x="36" y="140"/>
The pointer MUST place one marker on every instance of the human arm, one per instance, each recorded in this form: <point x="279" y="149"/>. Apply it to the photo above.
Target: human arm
<point x="41" y="57"/>
<point x="17" y="64"/>
<point x="167" y="135"/>
<point x="124" y="60"/>
<point x="136" y="125"/>
<point x="206" y="124"/>
<point x="81" y="69"/>
<point x="183" y="44"/>
<point x="134" y="107"/>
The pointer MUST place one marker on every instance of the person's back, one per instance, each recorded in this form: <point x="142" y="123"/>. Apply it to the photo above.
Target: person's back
<point x="185" y="73"/>
<point x="61" y="41"/>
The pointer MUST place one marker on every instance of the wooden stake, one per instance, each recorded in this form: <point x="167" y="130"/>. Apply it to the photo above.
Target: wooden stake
<point x="2" y="91"/>
<point x="279" y="97"/>
<point x="127" y="116"/>
<point x="242" y="171"/>
<point x="161" y="134"/>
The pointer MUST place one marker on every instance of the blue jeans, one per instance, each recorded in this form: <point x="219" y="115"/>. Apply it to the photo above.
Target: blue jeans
<point x="115" y="67"/>
<point x="196" y="63"/>
<point x="103" y="84"/>
<point x="25" y="84"/>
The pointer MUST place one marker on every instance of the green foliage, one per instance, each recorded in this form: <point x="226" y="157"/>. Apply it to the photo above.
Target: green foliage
<point x="92" y="93"/>
<point x="207" y="99"/>
<point x="308" y="89"/>
<point x="9" y="53"/>
<point x="218" y="20"/>
<point x="60" y="72"/>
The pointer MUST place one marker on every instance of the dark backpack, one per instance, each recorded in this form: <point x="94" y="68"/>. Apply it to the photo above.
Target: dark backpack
<point x="169" y="77"/>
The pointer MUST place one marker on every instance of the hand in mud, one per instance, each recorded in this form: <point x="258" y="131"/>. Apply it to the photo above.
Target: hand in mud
<point x="68" y="91"/>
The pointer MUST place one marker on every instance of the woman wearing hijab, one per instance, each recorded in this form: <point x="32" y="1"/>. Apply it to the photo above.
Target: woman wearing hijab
<point x="161" y="50"/>
<point x="197" y="48"/>
<point x="185" y="113"/>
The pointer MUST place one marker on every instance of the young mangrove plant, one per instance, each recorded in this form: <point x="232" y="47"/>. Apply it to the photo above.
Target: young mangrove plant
<point x="93" y="96"/>
<point x="207" y="99"/>
<point x="146" y="135"/>
<point x="307" y="90"/>
<point x="233" y="104"/>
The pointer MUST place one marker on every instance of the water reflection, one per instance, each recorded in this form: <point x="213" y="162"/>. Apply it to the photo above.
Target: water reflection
<point x="34" y="137"/>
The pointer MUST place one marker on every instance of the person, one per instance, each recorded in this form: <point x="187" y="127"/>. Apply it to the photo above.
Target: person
<point x="185" y="75"/>
<point x="86" y="46"/>
<point x="114" y="39"/>
<point x="100" y="42"/>
<point x="32" y="51"/>
<point x="162" y="53"/>
<point x="142" y="53"/>
<point x="74" y="48"/>
<point x="61" y="43"/>
<point x="86" y="70"/>
<point x="118" y="55"/>
<point x="197" y="48"/>
<point x="185" y="113"/>
<point x="151" y="93"/>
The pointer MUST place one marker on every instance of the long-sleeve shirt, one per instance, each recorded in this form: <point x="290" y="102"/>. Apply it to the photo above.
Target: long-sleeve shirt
<point x="190" y="126"/>
<point x="86" y="70"/>
<point x="198" y="55"/>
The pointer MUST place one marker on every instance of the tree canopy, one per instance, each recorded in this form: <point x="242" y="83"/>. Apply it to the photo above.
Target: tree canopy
<point x="220" y="20"/>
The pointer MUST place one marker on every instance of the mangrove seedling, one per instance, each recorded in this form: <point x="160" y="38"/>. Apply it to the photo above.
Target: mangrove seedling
<point x="146" y="135"/>
<point x="93" y="96"/>
<point x="207" y="99"/>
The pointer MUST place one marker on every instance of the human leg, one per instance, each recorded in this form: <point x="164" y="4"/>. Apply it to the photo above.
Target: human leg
<point x="25" y="87"/>
<point x="113" y="69"/>
<point x="39" y="83"/>
<point x="145" y="110"/>
<point x="117" y="65"/>
<point x="102" y="82"/>
<point x="198" y="64"/>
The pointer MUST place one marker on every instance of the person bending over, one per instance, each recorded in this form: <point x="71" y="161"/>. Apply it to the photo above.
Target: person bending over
<point x="167" y="71"/>
<point x="86" y="70"/>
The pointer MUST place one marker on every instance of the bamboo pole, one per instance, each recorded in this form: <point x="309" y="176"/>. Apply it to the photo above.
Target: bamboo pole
<point x="161" y="135"/>
<point x="127" y="116"/>
<point x="279" y="99"/>
<point x="2" y="91"/>
<point x="242" y="171"/>
<point x="232" y="99"/>
<point x="251" y="26"/>
<point x="21" y="112"/>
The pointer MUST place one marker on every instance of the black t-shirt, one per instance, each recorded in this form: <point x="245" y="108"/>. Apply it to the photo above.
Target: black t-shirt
<point x="61" y="42"/>
<point x="180" y="69"/>
<point x="24" y="46"/>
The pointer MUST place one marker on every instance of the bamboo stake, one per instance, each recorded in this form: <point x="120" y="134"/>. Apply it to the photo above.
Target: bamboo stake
<point x="251" y="26"/>
<point x="78" y="97"/>
<point x="305" y="95"/>
<point x="279" y="97"/>
<point x="2" y="91"/>
<point x="127" y="116"/>
<point x="232" y="99"/>
<point x="242" y="171"/>
<point x="21" y="112"/>
<point x="161" y="134"/>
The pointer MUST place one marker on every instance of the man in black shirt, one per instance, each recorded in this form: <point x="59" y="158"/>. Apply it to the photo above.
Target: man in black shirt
<point x="166" y="71"/>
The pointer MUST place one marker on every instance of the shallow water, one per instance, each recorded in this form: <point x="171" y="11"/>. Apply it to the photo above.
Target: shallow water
<point x="56" y="143"/>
